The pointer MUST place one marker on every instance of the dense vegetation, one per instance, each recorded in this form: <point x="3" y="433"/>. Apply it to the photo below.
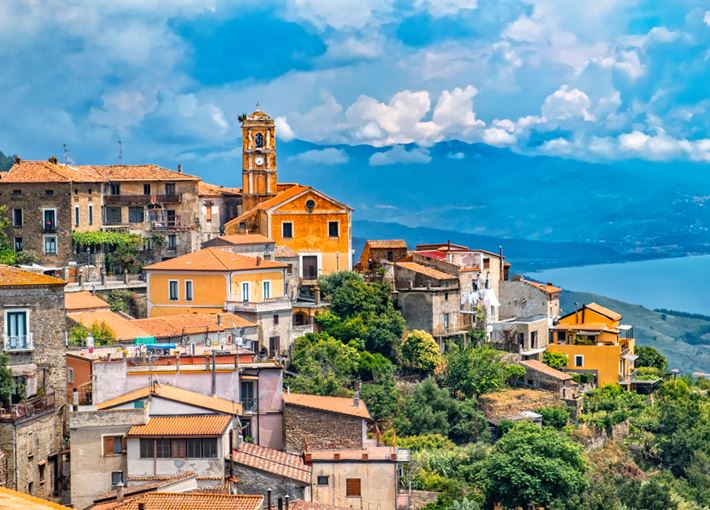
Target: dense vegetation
<point x="428" y="402"/>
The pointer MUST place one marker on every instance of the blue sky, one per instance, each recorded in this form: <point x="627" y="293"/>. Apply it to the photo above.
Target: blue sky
<point x="608" y="80"/>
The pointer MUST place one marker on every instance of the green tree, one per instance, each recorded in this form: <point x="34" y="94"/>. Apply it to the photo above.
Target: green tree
<point x="78" y="334"/>
<point x="533" y="467"/>
<point x="7" y="253"/>
<point x="421" y="352"/>
<point x="555" y="416"/>
<point x="7" y="382"/>
<point x="650" y="357"/>
<point x="103" y="333"/>
<point x="381" y="399"/>
<point x="555" y="360"/>
<point x="473" y="370"/>
<point x="323" y="365"/>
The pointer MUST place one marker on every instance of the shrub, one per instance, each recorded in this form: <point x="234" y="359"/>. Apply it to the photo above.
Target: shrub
<point x="421" y="352"/>
<point x="555" y="360"/>
<point x="555" y="416"/>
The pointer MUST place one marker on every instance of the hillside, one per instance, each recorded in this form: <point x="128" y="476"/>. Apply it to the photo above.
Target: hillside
<point x="670" y="334"/>
<point x="6" y="161"/>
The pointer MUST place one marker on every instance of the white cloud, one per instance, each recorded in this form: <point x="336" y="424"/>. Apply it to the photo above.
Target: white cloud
<point x="498" y="137"/>
<point x="439" y="8"/>
<point x="566" y="103"/>
<point x="398" y="154"/>
<point x="454" y="111"/>
<point x="706" y="18"/>
<point x="339" y="14"/>
<point x="329" y="156"/>
<point x="283" y="129"/>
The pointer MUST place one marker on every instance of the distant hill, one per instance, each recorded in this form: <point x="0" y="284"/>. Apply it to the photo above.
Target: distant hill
<point x="683" y="339"/>
<point x="6" y="162"/>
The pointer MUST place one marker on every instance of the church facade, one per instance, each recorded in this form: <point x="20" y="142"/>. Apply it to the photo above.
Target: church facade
<point x="314" y="225"/>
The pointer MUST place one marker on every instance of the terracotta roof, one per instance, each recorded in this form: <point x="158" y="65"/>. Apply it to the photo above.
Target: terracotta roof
<point x="547" y="288"/>
<point x="539" y="366"/>
<point x="615" y="316"/>
<point x="124" y="329"/>
<point x="338" y="405"/>
<point x="281" y="464"/>
<point x="589" y="326"/>
<point x="176" y="394"/>
<point x="213" y="259"/>
<point x="182" y="426"/>
<point x="48" y="171"/>
<point x="191" y="501"/>
<point x="425" y="270"/>
<point x="388" y="243"/>
<point x="432" y="254"/>
<point x="13" y="276"/>
<point x="132" y="490"/>
<point x="205" y="189"/>
<point x="137" y="173"/>
<point x="299" y="504"/>
<point x="20" y="501"/>
<point x="284" y="252"/>
<point x="83" y="300"/>
<point x="191" y="323"/>
<point x="238" y="239"/>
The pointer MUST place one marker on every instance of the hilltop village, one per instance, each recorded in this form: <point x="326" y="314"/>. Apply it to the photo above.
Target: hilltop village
<point x="171" y="343"/>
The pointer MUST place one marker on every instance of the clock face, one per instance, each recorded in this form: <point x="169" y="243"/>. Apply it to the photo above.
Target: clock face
<point x="259" y="160"/>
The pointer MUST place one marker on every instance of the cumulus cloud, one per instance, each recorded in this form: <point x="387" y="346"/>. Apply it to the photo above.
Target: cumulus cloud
<point x="283" y="129"/>
<point x="338" y="14"/>
<point x="399" y="155"/>
<point x="498" y="137"/>
<point x="567" y="103"/>
<point x="329" y="156"/>
<point x="439" y="8"/>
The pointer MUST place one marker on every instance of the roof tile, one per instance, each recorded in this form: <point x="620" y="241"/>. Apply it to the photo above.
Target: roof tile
<point x="125" y="330"/>
<point x="191" y="501"/>
<point x="539" y="366"/>
<point x="338" y="405"/>
<point x="273" y="461"/>
<point x="190" y="323"/>
<point x="425" y="270"/>
<point x="84" y="300"/>
<point x="13" y="276"/>
<point x="182" y="426"/>
<point x="177" y="394"/>
<point x="386" y="243"/>
<point x="214" y="259"/>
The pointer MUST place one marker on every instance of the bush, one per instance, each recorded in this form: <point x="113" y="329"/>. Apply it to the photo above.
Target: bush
<point x="555" y="416"/>
<point x="421" y="352"/>
<point x="416" y="443"/>
<point x="471" y="371"/>
<point x="555" y="360"/>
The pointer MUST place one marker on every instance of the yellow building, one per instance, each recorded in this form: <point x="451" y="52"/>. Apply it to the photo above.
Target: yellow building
<point x="213" y="280"/>
<point x="315" y="226"/>
<point x="595" y="342"/>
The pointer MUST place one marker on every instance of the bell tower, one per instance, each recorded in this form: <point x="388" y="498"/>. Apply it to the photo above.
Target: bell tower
<point x="258" y="158"/>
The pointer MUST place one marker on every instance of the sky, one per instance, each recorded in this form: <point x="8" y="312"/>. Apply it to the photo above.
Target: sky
<point x="608" y="80"/>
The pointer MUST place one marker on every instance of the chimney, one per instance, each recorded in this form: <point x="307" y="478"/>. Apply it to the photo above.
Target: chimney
<point x="500" y="254"/>
<point x="141" y="506"/>
<point x="18" y="160"/>
<point x="356" y="398"/>
<point x="576" y="312"/>
<point x="258" y="261"/>
<point x="119" y="492"/>
<point x="53" y="159"/>
<point x="180" y="168"/>
<point x="286" y="499"/>
<point x="219" y="319"/>
<point x="268" y="498"/>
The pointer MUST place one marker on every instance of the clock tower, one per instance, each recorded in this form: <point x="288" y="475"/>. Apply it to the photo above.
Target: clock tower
<point x="258" y="159"/>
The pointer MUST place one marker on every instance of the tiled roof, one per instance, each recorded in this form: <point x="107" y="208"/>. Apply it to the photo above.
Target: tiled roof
<point x="49" y="171"/>
<point x="615" y="316"/>
<point x="182" y="426"/>
<point x="547" y="288"/>
<point x="432" y="254"/>
<point x="299" y="504"/>
<point x="205" y="189"/>
<point x="338" y="405"/>
<point x="124" y="329"/>
<point x="192" y="501"/>
<point x="213" y="259"/>
<point x="132" y="490"/>
<point x="84" y="300"/>
<point x="19" y="501"/>
<point x="237" y="239"/>
<point x="538" y="366"/>
<point x="284" y="252"/>
<point x="387" y="243"/>
<point x="273" y="461"/>
<point x="425" y="270"/>
<point x="137" y="173"/>
<point x="12" y="276"/>
<point x="191" y="323"/>
<point x="176" y="394"/>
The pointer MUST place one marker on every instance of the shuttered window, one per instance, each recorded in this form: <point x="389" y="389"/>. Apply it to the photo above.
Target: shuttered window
<point x="352" y="487"/>
<point x="114" y="445"/>
<point x="178" y="449"/>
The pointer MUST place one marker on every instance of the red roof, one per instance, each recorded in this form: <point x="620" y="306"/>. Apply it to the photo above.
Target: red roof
<point x="273" y="461"/>
<point x="338" y="405"/>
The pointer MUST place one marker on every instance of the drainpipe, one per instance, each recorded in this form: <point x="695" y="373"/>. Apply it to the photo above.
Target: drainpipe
<point x="500" y="254"/>
<point x="214" y="373"/>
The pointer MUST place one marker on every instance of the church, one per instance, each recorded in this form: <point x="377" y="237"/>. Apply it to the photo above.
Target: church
<point x="317" y="227"/>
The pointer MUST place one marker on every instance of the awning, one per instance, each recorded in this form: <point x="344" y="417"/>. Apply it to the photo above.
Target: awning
<point x="161" y="346"/>
<point x="144" y="340"/>
<point x="630" y="357"/>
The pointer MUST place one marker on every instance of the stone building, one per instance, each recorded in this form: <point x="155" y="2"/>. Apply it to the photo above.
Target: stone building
<point x="526" y="336"/>
<point x="33" y="333"/>
<point x="524" y="298"/>
<point x="217" y="206"/>
<point x="317" y="422"/>
<point x="376" y="251"/>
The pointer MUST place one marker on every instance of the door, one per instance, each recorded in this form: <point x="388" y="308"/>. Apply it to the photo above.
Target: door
<point x="310" y="267"/>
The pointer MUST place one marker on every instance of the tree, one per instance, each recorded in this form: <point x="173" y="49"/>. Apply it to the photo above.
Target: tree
<point x="421" y="352"/>
<point x="471" y="371"/>
<point x="7" y="382"/>
<point x="555" y="416"/>
<point x="532" y="467"/>
<point x="382" y="400"/>
<point x="555" y="360"/>
<point x="650" y="357"/>
<point x="103" y="333"/>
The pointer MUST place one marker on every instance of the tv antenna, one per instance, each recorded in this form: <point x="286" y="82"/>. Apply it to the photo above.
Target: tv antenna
<point x="67" y="156"/>
<point x="120" y="152"/>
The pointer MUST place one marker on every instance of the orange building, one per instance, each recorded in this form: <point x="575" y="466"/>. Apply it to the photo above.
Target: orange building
<point x="315" y="226"/>
<point x="595" y="342"/>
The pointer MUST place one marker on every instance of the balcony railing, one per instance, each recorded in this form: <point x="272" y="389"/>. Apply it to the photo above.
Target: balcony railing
<point x="16" y="343"/>
<point x="49" y="228"/>
<point x="29" y="407"/>
<point x="268" y="305"/>
<point x="248" y="405"/>
<point x="174" y="198"/>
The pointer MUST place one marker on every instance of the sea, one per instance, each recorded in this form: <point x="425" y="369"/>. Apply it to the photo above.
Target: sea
<point x="681" y="284"/>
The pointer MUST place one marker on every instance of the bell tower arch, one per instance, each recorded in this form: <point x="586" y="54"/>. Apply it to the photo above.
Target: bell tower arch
<point x="258" y="158"/>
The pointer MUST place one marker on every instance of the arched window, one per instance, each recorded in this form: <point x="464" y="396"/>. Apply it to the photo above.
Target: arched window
<point x="259" y="139"/>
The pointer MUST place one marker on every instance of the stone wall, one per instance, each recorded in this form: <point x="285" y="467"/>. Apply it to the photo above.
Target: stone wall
<point x="518" y="299"/>
<point x="253" y="481"/>
<point x="320" y="429"/>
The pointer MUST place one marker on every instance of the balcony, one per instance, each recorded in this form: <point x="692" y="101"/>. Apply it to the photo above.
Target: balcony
<point x="268" y="305"/>
<point x="169" y="226"/>
<point x="49" y="228"/>
<point x="28" y="408"/>
<point x="249" y="405"/>
<point x="18" y="343"/>
<point x="174" y="198"/>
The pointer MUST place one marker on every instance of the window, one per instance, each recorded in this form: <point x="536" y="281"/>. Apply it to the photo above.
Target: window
<point x="188" y="290"/>
<point x="209" y="448"/>
<point x="30" y="488"/>
<point x="521" y="339"/>
<point x="17" y="192"/>
<point x="50" y="220"/>
<point x="91" y="214"/>
<point x="50" y="245"/>
<point x="352" y="488"/>
<point x="560" y="337"/>
<point x="246" y="396"/>
<point x="310" y="205"/>
<point x="113" y="445"/>
<point x="172" y="242"/>
<point x="41" y="470"/>
<point x="259" y="140"/>
<point x="446" y="321"/>
<point x="146" y="189"/>
<point x="390" y="255"/>
<point x="446" y="296"/>
<point x="114" y="188"/>
<point x="18" y="244"/>
<point x="147" y="448"/>
<point x="208" y="210"/>
<point x="276" y="320"/>
<point x="17" y="217"/>
<point x="76" y="215"/>
<point x="173" y="294"/>
<point x="170" y="188"/>
<point x="70" y="375"/>
<point x="49" y="192"/>
<point x="178" y="449"/>
<point x="578" y="360"/>
<point x="333" y="229"/>
<point x="287" y="230"/>
<point x="194" y="448"/>
<point x="266" y="289"/>
<point x="162" y="448"/>
<point x="16" y="327"/>
<point x="135" y="215"/>
<point x="245" y="292"/>
<point x="116" y="477"/>
<point x="322" y="480"/>
<point x="486" y="263"/>
<point x="274" y="345"/>
<point x="113" y="215"/>
<point x="533" y="340"/>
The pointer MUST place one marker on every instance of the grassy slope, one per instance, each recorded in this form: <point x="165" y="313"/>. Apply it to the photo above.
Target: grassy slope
<point x="655" y="329"/>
